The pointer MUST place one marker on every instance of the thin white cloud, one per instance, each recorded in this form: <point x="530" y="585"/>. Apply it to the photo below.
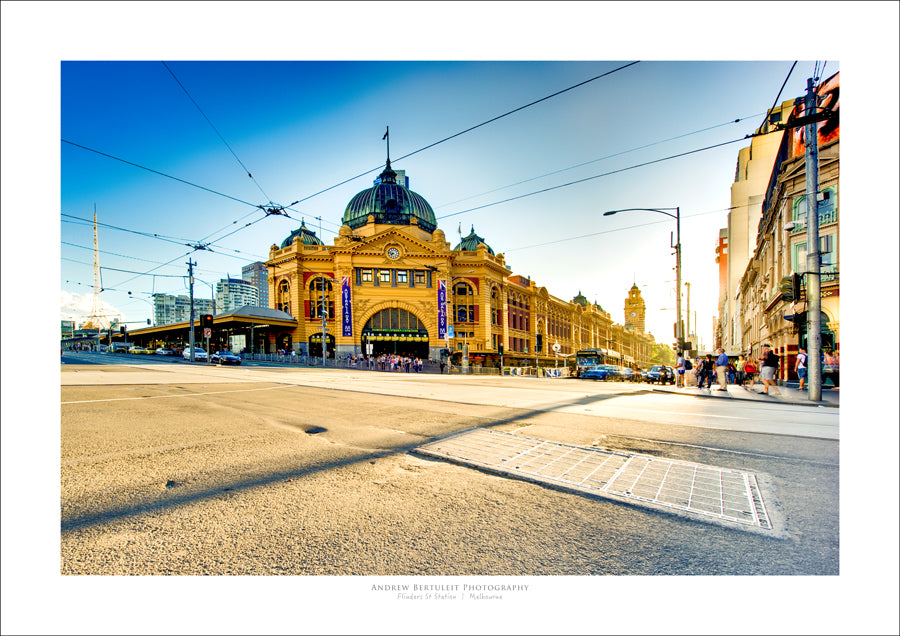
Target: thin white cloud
<point x="77" y="307"/>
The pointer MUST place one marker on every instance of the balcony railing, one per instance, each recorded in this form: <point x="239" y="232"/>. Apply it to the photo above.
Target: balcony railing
<point x="825" y="217"/>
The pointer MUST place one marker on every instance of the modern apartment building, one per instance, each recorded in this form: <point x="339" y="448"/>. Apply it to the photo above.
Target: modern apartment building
<point x="234" y="293"/>
<point x="257" y="275"/>
<point x="168" y="309"/>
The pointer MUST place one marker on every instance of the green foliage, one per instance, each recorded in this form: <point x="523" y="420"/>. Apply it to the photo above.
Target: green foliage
<point x="662" y="354"/>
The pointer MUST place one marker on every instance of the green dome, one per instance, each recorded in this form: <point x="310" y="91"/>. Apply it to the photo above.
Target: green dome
<point x="471" y="242"/>
<point x="390" y="203"/>
<point x="306" y="237"/>
<point x="580" y="299"/>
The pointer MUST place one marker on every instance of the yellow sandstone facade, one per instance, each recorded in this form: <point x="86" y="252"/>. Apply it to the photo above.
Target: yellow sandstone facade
<point x="392" y="283"/>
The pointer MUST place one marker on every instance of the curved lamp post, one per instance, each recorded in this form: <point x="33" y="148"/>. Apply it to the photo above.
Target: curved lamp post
<point x="679" y="336"/>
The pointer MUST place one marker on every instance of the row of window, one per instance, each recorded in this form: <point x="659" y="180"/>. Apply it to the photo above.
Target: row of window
<point x="392" y="277"/>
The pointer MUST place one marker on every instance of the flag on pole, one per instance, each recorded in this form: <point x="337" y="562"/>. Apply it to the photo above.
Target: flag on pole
<point x="385" y="133"/>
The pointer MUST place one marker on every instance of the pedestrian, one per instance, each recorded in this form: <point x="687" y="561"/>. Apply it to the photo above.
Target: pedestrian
<point x="768" y="365"/>
<point x="831" y="367"/>
<point x="700" y="370"/>
<point x="750" y="371"/>
<point x="800" y="366"/>
<point x="679" y="370"/>
<point x="740" y="373"/>
<point x="442" y="366"/>
<point x="721" y="370"/>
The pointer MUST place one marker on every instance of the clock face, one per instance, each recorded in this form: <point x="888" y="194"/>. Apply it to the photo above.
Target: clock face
<point x="393" y="253"/>
<point x="633" y="314"/>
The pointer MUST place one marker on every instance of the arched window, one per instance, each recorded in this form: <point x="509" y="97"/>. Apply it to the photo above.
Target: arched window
<point x="283" y="301"/>
<point x="463" y="303"/>
<point x="496" y="306"/>
<point x="320" y="287"/>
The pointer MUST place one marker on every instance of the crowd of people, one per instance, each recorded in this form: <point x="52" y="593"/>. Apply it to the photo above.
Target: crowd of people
<point x="745" y="370"/>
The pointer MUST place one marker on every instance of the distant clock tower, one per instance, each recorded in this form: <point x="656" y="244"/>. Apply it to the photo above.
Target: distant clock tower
<point x="635" y="310"/>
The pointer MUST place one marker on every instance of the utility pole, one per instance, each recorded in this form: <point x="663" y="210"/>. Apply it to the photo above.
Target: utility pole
<point x="688" y="313"/>
<point x="191" y="321"/>
<point x="813" y="282"/>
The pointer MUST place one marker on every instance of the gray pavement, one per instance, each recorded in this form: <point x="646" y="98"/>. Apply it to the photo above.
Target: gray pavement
<point x="789" y="394"/>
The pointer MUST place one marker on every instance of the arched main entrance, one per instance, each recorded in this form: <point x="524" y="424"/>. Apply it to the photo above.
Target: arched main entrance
<point x="395" y="330"/>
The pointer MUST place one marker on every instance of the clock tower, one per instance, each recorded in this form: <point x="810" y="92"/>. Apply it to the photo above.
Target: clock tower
<point x="635" y="310"/>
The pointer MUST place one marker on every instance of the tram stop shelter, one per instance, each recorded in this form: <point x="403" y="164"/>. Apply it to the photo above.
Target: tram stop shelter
<point x="250" y="329"/>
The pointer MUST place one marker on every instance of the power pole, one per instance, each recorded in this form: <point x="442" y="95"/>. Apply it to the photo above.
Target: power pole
<point x="191" y="321"/>
<point x="813" y="282"/>
<point x="688" y="312"/>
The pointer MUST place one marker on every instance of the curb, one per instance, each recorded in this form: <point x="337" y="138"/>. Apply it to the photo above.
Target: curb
<point x="764" y="400"/>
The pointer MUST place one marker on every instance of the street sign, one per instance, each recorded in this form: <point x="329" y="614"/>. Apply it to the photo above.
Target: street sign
<point x="556" y="347"/>
<point x="207" y="333"/>
<point x="450" y="331"/>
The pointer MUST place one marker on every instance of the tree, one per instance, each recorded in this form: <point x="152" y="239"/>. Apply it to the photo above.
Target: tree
<point x="662" y="354"/>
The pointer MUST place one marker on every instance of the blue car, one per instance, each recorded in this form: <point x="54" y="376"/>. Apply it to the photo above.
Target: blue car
<point x="600" y="372"/>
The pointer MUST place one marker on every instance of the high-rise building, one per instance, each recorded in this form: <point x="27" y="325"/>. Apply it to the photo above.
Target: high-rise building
<point x="257" y="275"/>
<point x="751" y="179"/>
<point x="168" y="309"/>
<point x="234" y="293"/>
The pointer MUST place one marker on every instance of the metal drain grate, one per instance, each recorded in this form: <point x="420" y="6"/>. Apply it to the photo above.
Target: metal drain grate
<point x="709" y="491"/>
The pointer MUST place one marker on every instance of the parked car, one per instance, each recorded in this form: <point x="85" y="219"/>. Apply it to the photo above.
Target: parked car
<point x="162" y="351"/>
<point x="224" y="357"/>
<point x="626" y="374"/>
<point x="661" y="374"/>
<point x="199" y="354"/>
<point x="139" y="350"/>
<point x="601" y="372"/>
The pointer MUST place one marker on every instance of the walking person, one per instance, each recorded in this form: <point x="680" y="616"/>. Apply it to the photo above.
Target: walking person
<point x="750" y="372"/>
<point x="679" y="371"/>
<point x="768" y="365"/>
<point x="701" y="369"/>
<point x="800" y="366"/>
<point x="721" y="370"/>
<point x="739" y="371"/>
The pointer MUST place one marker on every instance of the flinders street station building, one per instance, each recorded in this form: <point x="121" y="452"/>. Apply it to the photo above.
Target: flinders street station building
<point x="392" y="283"/>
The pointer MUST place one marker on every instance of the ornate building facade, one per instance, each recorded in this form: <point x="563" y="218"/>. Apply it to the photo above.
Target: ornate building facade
<point x="392" y="283"/>
<point x="765" y="311"/>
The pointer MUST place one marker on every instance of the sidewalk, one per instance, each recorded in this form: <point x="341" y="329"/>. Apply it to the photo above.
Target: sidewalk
<point x="789" y="394"/>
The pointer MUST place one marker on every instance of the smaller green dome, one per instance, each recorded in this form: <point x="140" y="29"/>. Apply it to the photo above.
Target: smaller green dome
<point x="306" y="237"/>
<point x="580" y="299"/>
<point x="471" y="242"/>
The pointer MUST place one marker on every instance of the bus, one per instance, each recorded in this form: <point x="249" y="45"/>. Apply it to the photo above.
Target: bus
<point x="587" y="358"/>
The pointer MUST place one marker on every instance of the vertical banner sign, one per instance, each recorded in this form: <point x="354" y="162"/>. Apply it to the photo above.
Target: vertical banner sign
<point x="442" y="309"/>
<point x="345" y="306"/>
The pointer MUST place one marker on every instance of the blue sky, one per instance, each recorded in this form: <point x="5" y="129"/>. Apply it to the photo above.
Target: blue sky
<point x="302" y="127"/>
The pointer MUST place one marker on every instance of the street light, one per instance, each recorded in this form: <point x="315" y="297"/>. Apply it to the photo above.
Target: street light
<point x="679" y="336"/>
<point x="152" y="313"/>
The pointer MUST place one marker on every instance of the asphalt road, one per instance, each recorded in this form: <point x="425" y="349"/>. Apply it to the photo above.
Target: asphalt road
<point x="196" y="470"/>
<point x="177" y="469"/>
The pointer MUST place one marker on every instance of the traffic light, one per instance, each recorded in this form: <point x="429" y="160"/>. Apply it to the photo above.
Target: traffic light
<point x="500" y="349"/>
<point x="796" y="285"/>
<point x="786" y="287"/>
<point x="122" y="330"/>
<point x="206" y="320"/>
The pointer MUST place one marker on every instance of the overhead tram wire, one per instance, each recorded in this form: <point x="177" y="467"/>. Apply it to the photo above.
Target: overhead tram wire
<point x="194" y="102"/>
<point x="777" y="97"/>
<point x="579" y="165"/>
<point x="622" y="229"/>
<point x="493" y="119"/>
<point x="596" y="176"/>
<point x="162" y="174"/>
